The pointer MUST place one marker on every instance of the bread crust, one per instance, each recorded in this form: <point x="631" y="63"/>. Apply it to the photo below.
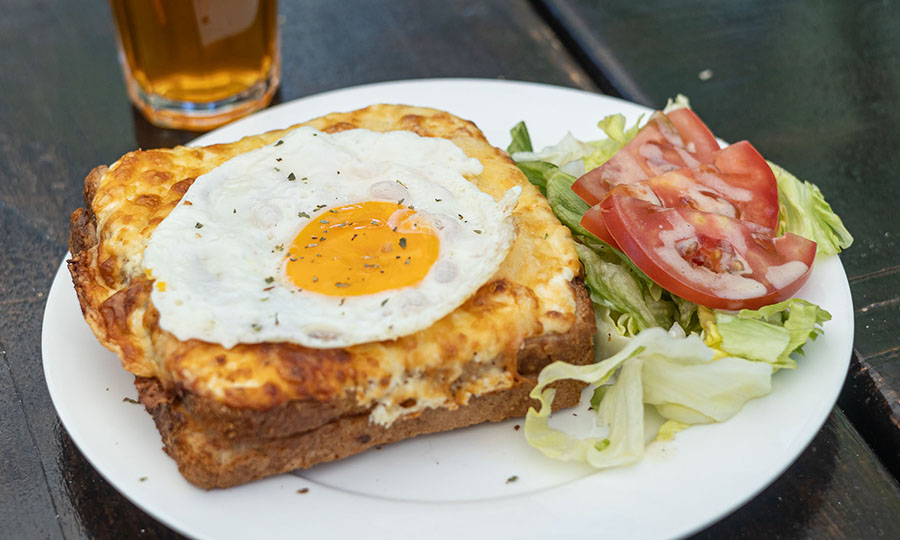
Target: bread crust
<point x="533" y="311"/>
<point x="217" y="446"/>
<point x="211" y="462"/>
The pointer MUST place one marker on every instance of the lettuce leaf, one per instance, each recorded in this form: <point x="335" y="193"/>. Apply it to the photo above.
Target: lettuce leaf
<point x="769" y="334"/>
<point x="676" y="374"/>
<point x="570" y="154"/>
<point x="520" y="139"/>
<point x="804" y="211"/>
<point x="565" y="203"/>
<point x="538" y="172"/>
<point x="703" y="392"/>
<point x="613" y="286"/>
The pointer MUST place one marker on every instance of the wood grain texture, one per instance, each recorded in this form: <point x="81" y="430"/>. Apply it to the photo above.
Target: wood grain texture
<point x="64" y="110"/>
<point x="21" y="467"/>
<point x="816" y="493"/>
<point x="872" y="402"/>
<point x="814" y="87"/>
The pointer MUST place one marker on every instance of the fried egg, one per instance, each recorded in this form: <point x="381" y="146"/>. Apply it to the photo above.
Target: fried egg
<point x="327" y="240"/>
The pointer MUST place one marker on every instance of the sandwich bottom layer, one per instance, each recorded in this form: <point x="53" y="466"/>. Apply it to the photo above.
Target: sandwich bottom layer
<point x="210" y="460"/>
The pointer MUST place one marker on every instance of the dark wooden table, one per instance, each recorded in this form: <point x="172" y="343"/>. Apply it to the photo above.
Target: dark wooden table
<point x="815" y="85"/>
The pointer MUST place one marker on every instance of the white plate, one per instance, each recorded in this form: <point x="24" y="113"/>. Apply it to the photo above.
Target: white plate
<point x="455" y="484"/>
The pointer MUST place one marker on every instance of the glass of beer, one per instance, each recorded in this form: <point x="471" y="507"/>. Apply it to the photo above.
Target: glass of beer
<point x="197" y="64"/>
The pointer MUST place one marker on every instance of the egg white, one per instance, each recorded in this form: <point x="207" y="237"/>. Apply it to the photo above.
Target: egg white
<point x="218" y="258"/>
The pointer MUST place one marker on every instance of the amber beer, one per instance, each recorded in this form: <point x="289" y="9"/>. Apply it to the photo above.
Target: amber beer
<point x="196" y="64"/>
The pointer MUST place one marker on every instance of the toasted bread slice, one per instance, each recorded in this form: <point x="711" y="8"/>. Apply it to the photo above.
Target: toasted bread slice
<point x="216" y="446"/>
<point x="232" y="415"/>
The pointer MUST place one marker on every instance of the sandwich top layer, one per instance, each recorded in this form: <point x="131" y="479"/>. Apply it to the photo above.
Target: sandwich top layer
<point x="469" y="351"/>
<point x="327" y="240"/>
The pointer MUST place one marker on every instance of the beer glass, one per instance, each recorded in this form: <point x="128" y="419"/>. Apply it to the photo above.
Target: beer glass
<point x="197" y="64"/>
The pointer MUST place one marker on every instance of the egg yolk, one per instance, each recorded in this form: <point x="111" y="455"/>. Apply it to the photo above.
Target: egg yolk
<point x="362" y="249"/>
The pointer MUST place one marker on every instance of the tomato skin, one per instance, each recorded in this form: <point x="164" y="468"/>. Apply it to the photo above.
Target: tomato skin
<point x="592" y="220"/>
<point x="659" y="147"/>
<point x="743" y="167"/>
<point x="693" y="130"/>
<point x="712" y="260"/>
<point x="583" y="187"/>
<point x="743" y="187"/>
<point x="740" y="184"/>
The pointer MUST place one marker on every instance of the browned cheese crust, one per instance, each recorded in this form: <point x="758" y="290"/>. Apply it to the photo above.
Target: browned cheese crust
<point x="533" y="310"/>
<point x="216" y="446"/>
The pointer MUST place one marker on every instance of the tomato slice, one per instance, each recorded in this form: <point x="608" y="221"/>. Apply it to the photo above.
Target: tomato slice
<point x="739" y="184"/>
<point x="743" y="168"/>
<point x="697" y="138"/>
<point x="592" y="220"/>
<point x="665" y="143"/>
<point x="712" y="260"/>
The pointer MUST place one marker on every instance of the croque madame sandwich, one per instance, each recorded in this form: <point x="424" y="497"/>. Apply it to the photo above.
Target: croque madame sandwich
<point x="299" y="296"/>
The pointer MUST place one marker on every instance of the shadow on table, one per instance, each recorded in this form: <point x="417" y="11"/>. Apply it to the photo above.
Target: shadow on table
<point x="149" y="136"/>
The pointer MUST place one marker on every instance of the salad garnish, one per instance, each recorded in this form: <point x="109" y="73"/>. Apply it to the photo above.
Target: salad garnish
<point x="673" y="352"/>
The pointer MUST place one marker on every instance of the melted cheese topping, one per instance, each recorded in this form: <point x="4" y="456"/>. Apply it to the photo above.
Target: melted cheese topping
<point x="537" y="298"/>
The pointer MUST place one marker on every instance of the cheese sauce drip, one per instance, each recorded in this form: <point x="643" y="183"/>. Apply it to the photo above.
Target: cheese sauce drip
<point x="362" y="248"/>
